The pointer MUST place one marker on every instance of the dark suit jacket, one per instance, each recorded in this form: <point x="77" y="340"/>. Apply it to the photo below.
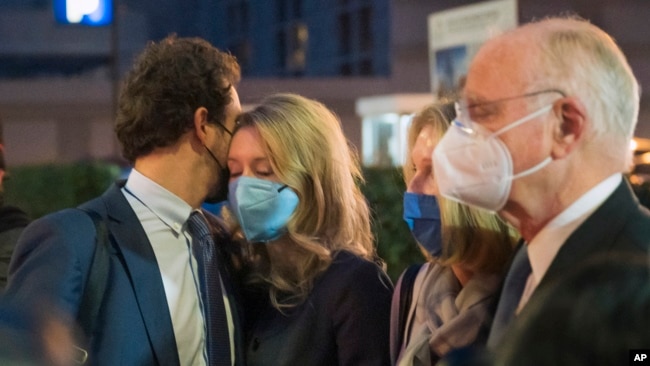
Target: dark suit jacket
<point x="620" y="224"/>
<point x="50" y="265"/>
<point x="344" y="321"/>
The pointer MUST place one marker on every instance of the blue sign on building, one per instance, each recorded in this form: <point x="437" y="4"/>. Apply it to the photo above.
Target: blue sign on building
<point x="86" y="12"/>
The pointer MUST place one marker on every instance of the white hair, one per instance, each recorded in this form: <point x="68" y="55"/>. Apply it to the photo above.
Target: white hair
<point x="585" y="62"/>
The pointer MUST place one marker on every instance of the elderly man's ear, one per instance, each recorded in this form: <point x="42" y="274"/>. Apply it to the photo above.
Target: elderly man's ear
<point x="570" y="126"/>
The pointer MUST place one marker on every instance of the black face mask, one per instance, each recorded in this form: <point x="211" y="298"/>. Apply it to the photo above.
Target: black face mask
<point x="220" y="192"/>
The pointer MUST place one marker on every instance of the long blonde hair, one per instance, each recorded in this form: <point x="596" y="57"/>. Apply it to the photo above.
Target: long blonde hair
<point x="308" y="152"/>
<point x="477" y="239"/>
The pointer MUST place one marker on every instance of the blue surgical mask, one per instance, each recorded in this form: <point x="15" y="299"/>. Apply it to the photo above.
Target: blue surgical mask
<point x="262" y="207"/>
<point x="422" y="215"/>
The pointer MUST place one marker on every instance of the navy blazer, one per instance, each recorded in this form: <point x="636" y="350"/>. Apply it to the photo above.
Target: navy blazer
<point x="51" y="264"/>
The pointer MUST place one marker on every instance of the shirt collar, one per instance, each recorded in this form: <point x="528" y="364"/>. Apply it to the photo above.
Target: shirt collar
<point x="171" y="209"/>
<point x="547" y="243"/>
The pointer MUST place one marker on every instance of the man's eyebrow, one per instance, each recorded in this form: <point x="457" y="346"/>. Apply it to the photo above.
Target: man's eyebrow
<point x="472" y="98"/>
<point x="481" y="103"/>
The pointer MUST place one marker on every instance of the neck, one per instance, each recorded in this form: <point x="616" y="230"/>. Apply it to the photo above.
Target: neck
<point x="462" y="274"/>
<point x="175" y="171"/>
<point x="542" y="200"/>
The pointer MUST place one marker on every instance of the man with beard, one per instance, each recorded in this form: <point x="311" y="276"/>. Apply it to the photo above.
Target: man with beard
<point x="168" y="298"/>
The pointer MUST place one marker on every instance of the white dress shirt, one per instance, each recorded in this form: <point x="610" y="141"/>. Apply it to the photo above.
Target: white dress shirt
<point x="543" y="248"/>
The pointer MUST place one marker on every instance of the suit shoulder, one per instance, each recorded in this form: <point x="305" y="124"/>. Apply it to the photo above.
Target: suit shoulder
<point x="66" y="219"/>
<point x="636" y="232"/>
<point x="68" y="228"/>
<point x="50" y="258"/>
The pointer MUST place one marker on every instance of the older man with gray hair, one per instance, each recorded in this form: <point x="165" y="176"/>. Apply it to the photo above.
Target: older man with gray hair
<point x="542" y="138"/>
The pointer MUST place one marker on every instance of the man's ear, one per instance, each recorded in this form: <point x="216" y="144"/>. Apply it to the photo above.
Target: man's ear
<point x="570" y="128"/>
<point x="200" y="123"/>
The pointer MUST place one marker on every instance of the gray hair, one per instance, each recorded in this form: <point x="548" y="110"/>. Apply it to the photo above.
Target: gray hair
<point x="585" y="62"/>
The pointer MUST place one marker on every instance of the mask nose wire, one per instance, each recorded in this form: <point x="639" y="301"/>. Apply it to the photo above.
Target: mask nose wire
<point x="460" y="125"/>
<point x="283" y="187"/>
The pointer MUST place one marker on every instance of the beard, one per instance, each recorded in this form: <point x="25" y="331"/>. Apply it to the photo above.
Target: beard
<point x="219" y="191"/>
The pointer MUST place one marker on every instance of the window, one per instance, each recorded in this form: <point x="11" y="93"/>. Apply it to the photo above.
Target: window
<point x="365" y="29"/>
<point x="237" y="38"/>
<point x="357" y="21"/>
<point x="292" y="37"/>
<point x="345" y="39"/>
<point x="384" y="136"/>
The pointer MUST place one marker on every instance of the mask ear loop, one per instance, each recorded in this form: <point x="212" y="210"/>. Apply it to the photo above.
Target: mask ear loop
<point x="514" y="124"/>
<point x="525" y="119"/>
<point x="213" y="157"/>
<point x="518" y="122"/>
<point x="532" y="170"/>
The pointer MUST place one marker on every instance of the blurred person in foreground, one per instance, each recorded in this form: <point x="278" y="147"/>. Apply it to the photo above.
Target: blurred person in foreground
<point x="315" y="294"/>
<point x="466" y="248"/>
<point x="34" y="336"/>
<point x="542" y="138"/>
<point x="176" y="110"/>
<point x="12" y="220"/>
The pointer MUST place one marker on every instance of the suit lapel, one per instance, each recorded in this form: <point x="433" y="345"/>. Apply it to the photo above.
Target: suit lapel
<point x="597" y="234"/>
<point x="142" y="268"/>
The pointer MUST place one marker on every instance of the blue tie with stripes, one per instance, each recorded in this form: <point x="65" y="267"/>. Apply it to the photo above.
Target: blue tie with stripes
<point x="218" y="338"/>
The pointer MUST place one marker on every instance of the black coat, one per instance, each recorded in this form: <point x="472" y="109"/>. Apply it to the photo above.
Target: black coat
<point x="344" y="321"/>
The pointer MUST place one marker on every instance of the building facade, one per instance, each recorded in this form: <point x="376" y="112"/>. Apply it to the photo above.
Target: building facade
<point x="58" y="83"/>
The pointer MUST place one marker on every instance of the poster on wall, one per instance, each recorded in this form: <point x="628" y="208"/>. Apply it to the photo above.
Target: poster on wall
<point x="454" y="36"/>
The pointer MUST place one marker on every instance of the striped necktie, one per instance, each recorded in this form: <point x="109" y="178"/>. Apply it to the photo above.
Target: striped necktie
<point x="218" y="338"/>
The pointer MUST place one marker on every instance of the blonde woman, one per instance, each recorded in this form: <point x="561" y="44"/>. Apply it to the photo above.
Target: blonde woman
<point x="447" y="306"/>
<point x="314" y="292"/>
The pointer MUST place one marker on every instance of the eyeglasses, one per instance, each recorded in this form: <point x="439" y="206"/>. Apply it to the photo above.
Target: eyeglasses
<point x="464" y="122"/>
<point x="462" y="106"/>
